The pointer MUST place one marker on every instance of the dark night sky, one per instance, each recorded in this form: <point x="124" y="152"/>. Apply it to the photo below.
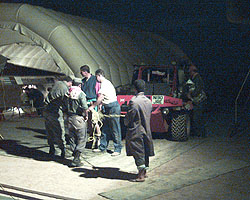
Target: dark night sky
<point x="219" y="48"/>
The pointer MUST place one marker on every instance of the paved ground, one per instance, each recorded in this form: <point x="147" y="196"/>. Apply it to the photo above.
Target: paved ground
<point x="216" y="167"/>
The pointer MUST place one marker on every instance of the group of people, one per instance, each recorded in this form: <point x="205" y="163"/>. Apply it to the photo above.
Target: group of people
<point x="78" y="98"/>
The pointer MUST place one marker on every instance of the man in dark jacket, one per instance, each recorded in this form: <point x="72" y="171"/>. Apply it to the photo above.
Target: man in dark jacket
<point x="37" y="97"/>
<point x="139" y="143"/>
<point x="89" y="84"/>
<point x="195" y="94"/>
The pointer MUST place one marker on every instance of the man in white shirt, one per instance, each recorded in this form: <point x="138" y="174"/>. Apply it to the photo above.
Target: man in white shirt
<point x="111" y="129"/>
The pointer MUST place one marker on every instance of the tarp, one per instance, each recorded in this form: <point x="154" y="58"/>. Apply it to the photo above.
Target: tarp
<point x="72" y="41"/>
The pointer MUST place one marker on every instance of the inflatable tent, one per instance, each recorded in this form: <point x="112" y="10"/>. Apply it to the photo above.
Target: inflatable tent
<point x="40" y="38"/>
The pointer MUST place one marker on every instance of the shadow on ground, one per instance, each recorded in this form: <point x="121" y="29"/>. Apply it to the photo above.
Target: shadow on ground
<point x="41" y="131"/>
<point x="16" y="148"/>
<point x="105" y="172"/>
<point x="37" y="130"/>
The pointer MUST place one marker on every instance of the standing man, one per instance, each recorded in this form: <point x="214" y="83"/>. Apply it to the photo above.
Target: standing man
<point x="111" y="129"/>
<point x="89" y="84"/>
<point x="55" y="105"/>
<point x="139" y="142"/>
<point x="77" y="121"/>
<point x="197" y="96"/>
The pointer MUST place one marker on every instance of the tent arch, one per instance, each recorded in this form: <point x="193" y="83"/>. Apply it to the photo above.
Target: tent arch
<point x="72" y="41"/>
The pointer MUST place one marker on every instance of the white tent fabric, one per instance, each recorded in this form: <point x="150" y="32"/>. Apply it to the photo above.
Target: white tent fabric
<point x="72" y="41"/>
<point x="32" y="56"/>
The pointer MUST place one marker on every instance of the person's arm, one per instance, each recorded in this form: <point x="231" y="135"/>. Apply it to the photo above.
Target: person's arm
<point x="131" y="116"/>
<point x="98" y="102"/>
<point x="199" y="85"/>
<point x="84" y="106"/>
<point x="97" y="88"/>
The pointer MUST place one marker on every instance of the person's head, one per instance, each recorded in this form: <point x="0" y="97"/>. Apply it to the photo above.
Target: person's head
<point x="85" y="70"/>
<point x="139" y="85"/>
<point x="68" y="80"/>
<point x="77" y="82"/>
<point x="100" y="75"/>
<point x="192" y="69"/>
<point x="27" y="90"/>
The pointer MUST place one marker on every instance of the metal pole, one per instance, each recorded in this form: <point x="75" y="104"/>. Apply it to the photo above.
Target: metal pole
<point x="35" y="192"/>
<point x="236" y="100"/>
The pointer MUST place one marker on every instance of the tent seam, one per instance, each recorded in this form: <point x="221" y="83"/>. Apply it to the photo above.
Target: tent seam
<point x="18" y="11"/>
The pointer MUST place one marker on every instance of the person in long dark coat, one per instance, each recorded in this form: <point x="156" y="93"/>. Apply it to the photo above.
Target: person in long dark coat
<point x="139" y="142"/>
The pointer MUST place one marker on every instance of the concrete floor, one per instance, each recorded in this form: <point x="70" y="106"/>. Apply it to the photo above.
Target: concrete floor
<point x="216" y="167"/>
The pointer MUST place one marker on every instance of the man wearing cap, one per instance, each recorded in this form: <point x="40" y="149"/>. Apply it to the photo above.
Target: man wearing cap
<point x="55" y="106"/>
<point x="77" y="121"/>
<point x="139" y="142"/>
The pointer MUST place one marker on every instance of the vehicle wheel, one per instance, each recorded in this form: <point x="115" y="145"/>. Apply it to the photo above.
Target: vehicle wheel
<point x="180" y="126"/>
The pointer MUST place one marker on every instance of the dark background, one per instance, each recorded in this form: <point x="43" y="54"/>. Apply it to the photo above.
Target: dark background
<point x="217" y="46"/>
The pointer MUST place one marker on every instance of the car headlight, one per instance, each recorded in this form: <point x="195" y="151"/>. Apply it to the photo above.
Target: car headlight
<point x="165" y="111"/>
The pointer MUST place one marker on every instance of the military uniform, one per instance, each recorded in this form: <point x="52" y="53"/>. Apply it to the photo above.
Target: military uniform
<point x="76" y="122"/>
<point x="55" y="105"/>
<point x="195" y="88"/>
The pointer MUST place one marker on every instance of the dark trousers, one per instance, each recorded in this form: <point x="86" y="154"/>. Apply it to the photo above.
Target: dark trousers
<point x="111" y="129"/>
<point x="142" y="160"/>
<point x="54" y="124"/>
<point x="77" y="133"/>
<point x="198" y="120"/>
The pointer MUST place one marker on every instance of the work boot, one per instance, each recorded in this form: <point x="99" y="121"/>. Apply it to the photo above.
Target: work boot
<point x="69" y="153"/>
<point x="62" y="156"/>
<point x="76" y="161"/>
